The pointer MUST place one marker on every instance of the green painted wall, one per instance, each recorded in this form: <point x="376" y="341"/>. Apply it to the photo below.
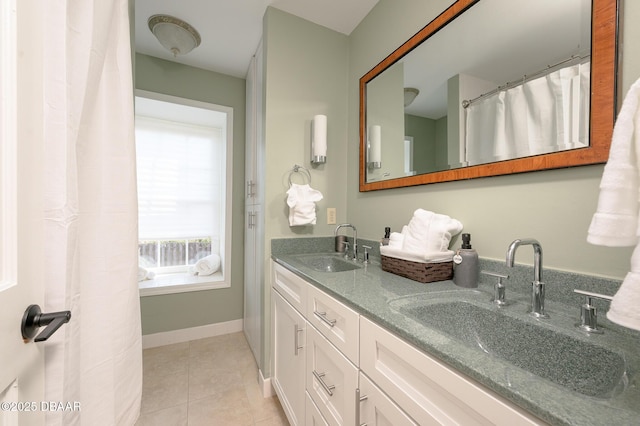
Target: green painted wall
<point x="305" y="74"/>
<point x="553" y="206"/>
<point x="423" y="131"/>
<point x="185" y="310"/>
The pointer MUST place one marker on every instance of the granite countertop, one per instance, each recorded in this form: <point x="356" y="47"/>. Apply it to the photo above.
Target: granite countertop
<point x="381" y="296"/>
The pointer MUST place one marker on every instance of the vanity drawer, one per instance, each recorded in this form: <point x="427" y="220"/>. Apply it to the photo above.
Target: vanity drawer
<point x="429" y="391"/>
<point x="290" y="286"/>
<point x="335" y="321"/>
<point x="331" y="380"/>
<point x="376" y="409"/>
<point x="313" y="415"/>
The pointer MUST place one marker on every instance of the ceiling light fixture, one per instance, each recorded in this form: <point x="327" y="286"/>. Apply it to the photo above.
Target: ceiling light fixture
<point x="174" y="34"/>
<point x="410" y="95"/>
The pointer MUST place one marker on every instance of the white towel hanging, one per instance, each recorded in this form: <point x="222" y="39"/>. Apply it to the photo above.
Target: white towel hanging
<point x="302" y="200"/>
<point x="616" y="222"/>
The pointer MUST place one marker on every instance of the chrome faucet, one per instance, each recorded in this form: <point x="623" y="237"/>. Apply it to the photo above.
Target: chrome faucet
<point x="355" y="238"/>
<point x="537" y="286"/>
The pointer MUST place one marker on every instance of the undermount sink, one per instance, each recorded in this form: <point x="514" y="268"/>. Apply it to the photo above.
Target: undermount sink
<point x="327" y="263"/>
<point x="580" y="366"/>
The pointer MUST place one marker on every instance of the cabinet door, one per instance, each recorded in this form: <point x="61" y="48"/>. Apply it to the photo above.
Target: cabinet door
<point x="336" y="321"/>
<point x="253" y="279"/>
<point x="289" y="358"/>
<point x="254" y="131"/>
<point x="376" y="409"/>
<point x="331" y="380"/>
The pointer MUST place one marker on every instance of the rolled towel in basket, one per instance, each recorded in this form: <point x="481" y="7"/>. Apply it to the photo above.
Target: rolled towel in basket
<point x="429" y="232"/>
<point x="207" y="265"/>
<point x="426" y="257"/>
<point x="396" y="239"/>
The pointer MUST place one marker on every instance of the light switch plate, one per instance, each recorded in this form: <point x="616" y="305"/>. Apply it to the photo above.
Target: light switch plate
<point x="331" y="216"/>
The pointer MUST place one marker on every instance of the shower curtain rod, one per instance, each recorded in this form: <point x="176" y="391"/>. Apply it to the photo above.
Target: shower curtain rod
<point x="525" y="78"/>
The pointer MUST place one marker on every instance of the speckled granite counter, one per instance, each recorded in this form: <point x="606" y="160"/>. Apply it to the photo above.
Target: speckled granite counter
<point x="378" y="295"/>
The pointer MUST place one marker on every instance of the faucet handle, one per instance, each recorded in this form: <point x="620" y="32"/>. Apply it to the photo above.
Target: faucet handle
<point x="588" y="312"/>
<point x="499" y="288"/>
<point x="346" y="248"/>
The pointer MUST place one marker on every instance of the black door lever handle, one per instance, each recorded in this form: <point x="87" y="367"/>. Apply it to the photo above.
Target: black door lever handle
<point x="33" y="319"/>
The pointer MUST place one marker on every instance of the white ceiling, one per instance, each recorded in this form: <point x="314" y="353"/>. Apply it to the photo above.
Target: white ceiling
<point x="231" y="29"/>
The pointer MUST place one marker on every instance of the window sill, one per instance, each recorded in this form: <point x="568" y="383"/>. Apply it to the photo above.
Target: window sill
<point x="180" y="283"/>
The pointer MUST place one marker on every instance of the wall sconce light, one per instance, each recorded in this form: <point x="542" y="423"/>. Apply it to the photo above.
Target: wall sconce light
<point x="410" y="95"/>
<point x="319" y="139"/>
<point x="174" y="34"/>
<point x="374" y="147"/>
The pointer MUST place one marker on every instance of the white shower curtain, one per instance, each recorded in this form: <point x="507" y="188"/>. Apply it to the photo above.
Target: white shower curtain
<point x="543" y="115"/>
<point x="91" y="213"/>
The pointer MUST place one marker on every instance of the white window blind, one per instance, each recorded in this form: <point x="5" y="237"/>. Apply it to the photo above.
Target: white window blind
<point x="180" y="179"/>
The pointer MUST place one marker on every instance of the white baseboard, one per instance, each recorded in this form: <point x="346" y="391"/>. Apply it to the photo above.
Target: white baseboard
<point x="267" y="389"/>
<point x="193" y="333"/>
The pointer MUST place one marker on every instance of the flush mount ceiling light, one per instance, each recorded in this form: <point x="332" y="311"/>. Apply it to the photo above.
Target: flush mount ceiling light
<point x="410" y="95"/>
<point x="174" y="34"/>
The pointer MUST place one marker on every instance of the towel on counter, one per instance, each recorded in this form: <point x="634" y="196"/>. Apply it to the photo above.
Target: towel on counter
<point x="425" y="239"/>
<point x="429" y="232"/>
<point x="397" y="238"/>
<point x="207" y="265"/>
<point x="616" y="221"/>
<point x="433" y="257"/>
<point x="301" y="200"/>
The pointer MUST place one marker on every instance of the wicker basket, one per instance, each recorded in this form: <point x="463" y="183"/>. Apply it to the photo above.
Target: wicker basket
<point x="418" y="271"/>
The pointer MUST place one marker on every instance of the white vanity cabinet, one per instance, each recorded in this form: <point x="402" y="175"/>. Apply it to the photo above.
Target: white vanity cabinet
<point x="336" y="321"/>
<point x="311" y="333"/>
<point x="428" y="390"/>
<point x="377" y="409"/>
<point x="331" y="379"/>
<point x="333" y="366"/>
<point x="313" y="415"/>
<point x="289" y="358"/>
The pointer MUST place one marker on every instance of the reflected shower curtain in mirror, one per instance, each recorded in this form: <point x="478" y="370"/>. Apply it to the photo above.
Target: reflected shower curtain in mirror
<point x="90" y="213"/>
<point x="543" y="115"/>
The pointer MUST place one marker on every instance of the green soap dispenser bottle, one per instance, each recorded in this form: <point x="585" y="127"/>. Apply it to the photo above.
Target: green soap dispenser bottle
<point x="465" y="270"/>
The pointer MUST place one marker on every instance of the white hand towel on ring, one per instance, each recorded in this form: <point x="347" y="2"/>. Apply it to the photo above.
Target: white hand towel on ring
<point x="301" y="200"/>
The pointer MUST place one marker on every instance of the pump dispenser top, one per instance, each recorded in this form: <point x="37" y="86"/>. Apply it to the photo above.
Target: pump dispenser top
<point x="387" y="234"/>
<point x="466" y="241"/>
<point x="465" y="271"/>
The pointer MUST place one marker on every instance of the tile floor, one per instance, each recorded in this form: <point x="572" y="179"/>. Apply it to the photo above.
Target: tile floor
<point x="211" y="382"/>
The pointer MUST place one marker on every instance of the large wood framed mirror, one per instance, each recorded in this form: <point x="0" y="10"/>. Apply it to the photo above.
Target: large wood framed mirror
<point x="492" y="87"/>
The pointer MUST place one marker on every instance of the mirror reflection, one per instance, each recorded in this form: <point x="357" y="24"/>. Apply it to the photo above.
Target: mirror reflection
<point x="484" y="90"/>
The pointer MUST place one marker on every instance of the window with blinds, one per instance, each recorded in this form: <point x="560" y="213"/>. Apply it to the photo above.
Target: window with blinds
<point x="181" y="167"/>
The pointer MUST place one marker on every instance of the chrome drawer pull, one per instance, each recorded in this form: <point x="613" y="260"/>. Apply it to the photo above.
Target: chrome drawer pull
<point x="296" y="343"/>
<point x="328" y="388"/>
<point x="359" y="399"/>
<point x="323" y="317"/>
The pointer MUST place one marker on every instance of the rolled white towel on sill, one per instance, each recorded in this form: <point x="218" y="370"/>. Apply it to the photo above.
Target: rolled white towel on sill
<point x="426" y="257"/>
<point x="207" y="265"/>
<point x="144" y="274"/>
